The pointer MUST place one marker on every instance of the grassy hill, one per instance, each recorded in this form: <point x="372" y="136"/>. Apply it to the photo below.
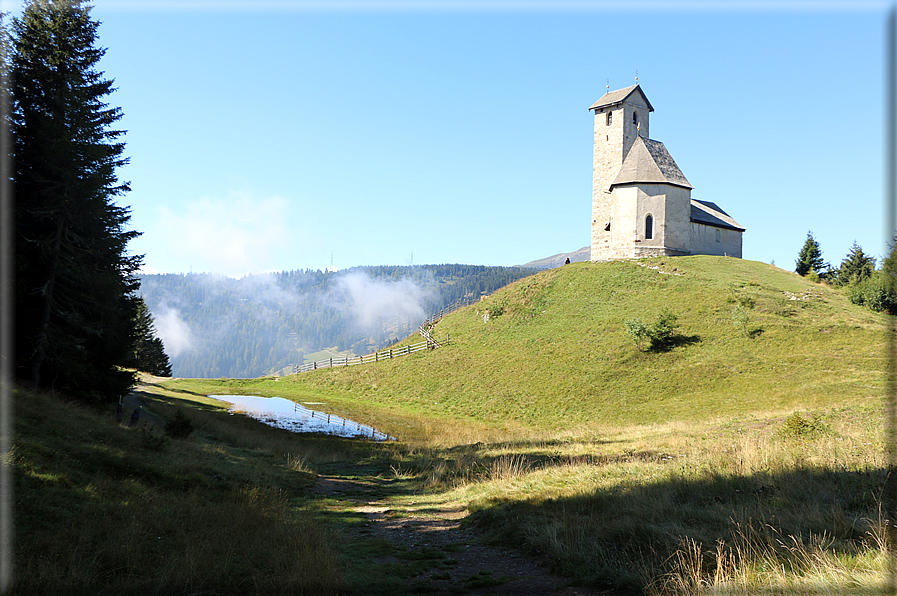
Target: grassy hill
<point x="747" y="456"/>
<point x="554" y="354"/>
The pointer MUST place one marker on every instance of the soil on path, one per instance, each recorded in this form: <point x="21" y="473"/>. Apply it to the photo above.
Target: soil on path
<point x="468" y="567"/>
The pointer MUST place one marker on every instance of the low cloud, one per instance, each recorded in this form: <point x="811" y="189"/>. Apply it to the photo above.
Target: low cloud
<point x="372" y="302"/>
<point x="173" y="331"/>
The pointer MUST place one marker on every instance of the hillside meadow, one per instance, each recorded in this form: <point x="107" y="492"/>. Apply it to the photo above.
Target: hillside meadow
<point x="557" y="358"/>
<point x="746" y="455"/>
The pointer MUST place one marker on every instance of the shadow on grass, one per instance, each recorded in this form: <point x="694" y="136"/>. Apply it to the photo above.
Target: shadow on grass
<point x="632" y="534"/>
<point x="675" y="341"/>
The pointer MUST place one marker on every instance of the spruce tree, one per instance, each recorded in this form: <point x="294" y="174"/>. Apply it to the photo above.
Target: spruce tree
<point x="74" y="277"/>
<point x="810" y="257"/>
<point x="149" y="352"/>
<point x="856" y="266"/>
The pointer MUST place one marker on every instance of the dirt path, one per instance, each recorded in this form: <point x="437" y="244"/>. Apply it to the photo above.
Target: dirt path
<point x="420" y="530"/>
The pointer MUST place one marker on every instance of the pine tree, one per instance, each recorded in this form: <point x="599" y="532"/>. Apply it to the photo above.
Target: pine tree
<point x="149" y="351"/>
<point x="856" y="266"/>
<point x="810" y="257"/>
<point x="74" y="278"/>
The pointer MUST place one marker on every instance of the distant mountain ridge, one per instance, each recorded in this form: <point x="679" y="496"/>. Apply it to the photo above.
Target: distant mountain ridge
<point x="583" y="254"/>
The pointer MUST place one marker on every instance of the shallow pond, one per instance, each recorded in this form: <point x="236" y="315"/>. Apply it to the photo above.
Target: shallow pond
<point x="283" y="413"/>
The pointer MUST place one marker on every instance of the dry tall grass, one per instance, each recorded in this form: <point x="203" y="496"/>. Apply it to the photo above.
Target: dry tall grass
<point x="104" y="508"/>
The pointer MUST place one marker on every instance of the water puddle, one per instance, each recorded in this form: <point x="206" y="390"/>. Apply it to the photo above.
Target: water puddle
<point x="283" y="413"/>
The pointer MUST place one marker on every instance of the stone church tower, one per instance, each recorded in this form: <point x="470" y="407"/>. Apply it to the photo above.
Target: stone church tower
<point x="641" y="201"/>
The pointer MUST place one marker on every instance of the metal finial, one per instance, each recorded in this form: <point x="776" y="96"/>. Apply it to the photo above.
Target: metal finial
<point x="636" y="77"/>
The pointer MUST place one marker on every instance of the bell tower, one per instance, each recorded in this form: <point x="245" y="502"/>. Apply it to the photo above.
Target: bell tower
<point x="620" y="117"/>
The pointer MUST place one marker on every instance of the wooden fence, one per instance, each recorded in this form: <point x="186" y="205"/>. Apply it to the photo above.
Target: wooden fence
<point x="460" y="303"/>
<point x="429" y="343"/>
<point x="368" y="358"/>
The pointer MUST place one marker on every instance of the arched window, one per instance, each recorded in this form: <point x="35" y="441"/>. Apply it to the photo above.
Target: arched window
<point x="610" y="118"/>
<point x="634" y="117"/>
<point x="649" y="227"/>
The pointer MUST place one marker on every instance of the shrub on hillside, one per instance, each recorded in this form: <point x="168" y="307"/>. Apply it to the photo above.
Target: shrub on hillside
<point x="637" y="330"/>
<point x="661" y="334"/>
<point x="797" y="426"/>
<point x="877" y="292"/>
<point x="180" y="427"/>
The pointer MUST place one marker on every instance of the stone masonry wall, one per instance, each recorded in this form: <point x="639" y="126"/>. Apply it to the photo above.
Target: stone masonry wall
<point x="611" y="143"/>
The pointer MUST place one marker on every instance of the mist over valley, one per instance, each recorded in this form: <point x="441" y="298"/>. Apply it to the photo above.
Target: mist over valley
<point x="216" y="326"/>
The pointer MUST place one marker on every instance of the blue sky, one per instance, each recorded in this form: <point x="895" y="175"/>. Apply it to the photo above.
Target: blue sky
<point x="270" y="136"/>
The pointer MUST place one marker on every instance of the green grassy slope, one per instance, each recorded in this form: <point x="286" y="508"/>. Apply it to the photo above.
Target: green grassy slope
<point x="558" y="355"/>
<point x="103" y="508"/>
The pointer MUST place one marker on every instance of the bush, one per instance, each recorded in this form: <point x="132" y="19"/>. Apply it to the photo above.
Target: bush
<point x="180" y="427"/>
<point x="661" y="334"/>
<point x="664" y="329"/>
<point x="876" y="293"/>
<point x="637" y="331"/>
<point x="799" y="427"/>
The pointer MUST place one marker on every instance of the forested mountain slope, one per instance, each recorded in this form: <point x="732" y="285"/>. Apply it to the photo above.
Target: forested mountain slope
<point x="216" y="326"/>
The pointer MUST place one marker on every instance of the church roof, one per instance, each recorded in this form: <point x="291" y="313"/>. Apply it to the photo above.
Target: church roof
<point x="612" y="98"/>
<point x="710" y="214"/>
<point x="649" y="162"/>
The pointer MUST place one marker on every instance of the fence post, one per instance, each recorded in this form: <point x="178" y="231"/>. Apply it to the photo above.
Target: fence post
<point x="331" y="362"/>
<point x="315" y="364"/>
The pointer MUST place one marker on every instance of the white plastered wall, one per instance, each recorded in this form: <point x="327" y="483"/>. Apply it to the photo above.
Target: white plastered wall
<point x="669" y="206"/>
<point x="711" y="240"/>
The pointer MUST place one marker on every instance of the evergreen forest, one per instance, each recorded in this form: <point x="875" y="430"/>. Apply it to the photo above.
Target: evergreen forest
<point x="215" y="326"/>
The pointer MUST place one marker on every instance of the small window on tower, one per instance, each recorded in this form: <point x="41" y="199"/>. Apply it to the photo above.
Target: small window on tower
<point x="718" y="235"/>
<point x="649" y="227"/>
<point x="635" y="117"/>
<point x="610" y="118"/>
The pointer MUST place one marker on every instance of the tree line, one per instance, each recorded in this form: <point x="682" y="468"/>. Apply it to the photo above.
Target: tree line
<point x="80" y="324"/>
<point x="866" y="283"/>
<point x="261" y="324"/>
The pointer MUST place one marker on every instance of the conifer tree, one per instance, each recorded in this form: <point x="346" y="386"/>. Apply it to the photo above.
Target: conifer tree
<point x="856" y="266"/>
<point x="149" y="352"/>
<point x="810" y="257"/>
<point x="74" y="278"/>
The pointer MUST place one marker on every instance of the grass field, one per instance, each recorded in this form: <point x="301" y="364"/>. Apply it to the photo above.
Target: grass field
<point x="747" y="456"/>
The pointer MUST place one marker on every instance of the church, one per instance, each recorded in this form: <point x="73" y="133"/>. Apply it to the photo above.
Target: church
<point x="641" y="200"/>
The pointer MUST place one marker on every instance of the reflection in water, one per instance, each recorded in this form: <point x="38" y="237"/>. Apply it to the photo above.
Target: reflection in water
<point x="283" y="413"/>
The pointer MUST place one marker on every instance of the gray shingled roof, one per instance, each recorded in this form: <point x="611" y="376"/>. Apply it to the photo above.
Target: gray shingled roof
<point x="619" y="96"/>
<point x="649" y="161"/>
<point x="710" y="214"/>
